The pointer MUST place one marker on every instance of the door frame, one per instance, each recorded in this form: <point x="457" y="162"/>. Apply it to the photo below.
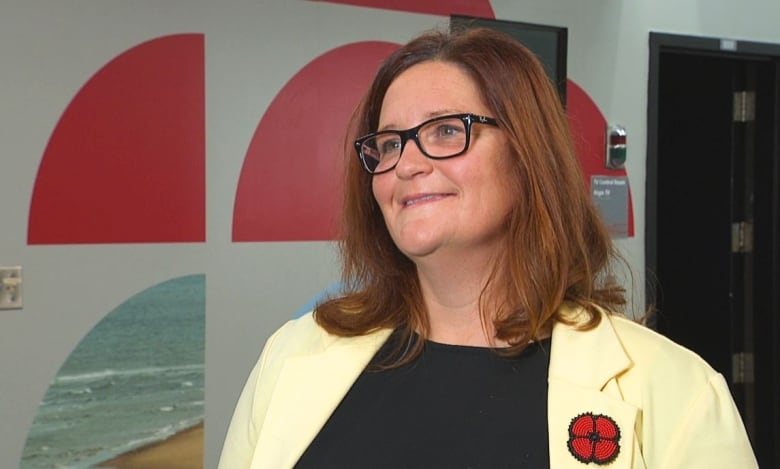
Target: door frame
<point x="767" y="434"/>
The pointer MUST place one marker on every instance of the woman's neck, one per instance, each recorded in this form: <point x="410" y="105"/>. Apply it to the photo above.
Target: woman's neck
<point x="452" y="290"/>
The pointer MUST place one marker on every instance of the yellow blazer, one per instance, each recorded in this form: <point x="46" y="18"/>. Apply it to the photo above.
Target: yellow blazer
<point x="672" y="409"/>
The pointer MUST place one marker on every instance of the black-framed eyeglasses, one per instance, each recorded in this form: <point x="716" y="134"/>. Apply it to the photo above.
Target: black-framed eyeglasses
<point x="438" y="138"/>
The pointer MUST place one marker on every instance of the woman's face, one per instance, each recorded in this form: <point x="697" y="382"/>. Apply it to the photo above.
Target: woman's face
<point x="442" y="206"/>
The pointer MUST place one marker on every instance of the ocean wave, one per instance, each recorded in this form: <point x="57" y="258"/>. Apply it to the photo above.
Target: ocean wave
<point x="111" y="373"/>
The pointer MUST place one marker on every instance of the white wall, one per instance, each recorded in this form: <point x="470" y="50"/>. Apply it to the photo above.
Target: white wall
<point x="50" y="48"/>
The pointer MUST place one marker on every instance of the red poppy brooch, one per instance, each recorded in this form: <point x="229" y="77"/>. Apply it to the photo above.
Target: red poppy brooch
<point x="594" y="438"/>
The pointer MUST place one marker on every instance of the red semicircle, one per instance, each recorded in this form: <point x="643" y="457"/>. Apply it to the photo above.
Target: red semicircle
<point x="126" y="161"/>
<point x="289" y="188"/>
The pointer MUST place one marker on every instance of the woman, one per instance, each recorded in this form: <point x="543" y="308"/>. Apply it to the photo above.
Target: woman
<point x="478" y="326"/>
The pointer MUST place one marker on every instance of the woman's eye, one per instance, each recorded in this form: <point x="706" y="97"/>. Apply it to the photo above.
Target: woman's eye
<point x="446" y="130"/>
<point x="390" y="146"/>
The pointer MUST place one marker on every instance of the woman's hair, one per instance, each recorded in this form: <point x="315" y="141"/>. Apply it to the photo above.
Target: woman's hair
<point x="557" y="249"/>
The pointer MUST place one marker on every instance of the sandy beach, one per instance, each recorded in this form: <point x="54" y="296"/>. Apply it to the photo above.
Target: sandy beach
<point x="183" y="450"/>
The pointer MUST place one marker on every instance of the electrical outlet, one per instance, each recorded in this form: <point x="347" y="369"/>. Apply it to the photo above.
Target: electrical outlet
<point x="11" y="287"/>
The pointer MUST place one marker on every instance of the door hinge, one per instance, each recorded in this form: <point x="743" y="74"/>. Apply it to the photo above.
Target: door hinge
<point x="741" y="237"/>
<point x="744" y="106"/>
<point x="742" y="368"/>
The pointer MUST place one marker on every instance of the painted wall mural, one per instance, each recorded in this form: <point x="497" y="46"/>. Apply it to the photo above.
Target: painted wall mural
<point x="126" y="162"/>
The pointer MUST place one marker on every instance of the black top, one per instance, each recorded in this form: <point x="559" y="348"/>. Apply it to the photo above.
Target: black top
<point x="453" y="407"/>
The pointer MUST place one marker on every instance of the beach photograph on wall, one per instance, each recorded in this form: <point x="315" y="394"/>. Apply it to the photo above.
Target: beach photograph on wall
<point x="131" y="393"/>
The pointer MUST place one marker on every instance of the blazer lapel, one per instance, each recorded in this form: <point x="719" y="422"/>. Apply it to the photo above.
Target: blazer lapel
<point x="583" y="393"/>
<point x="308" y="390"/>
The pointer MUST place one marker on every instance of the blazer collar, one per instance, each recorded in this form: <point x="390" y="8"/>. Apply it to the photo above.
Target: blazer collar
<point x="587" y="358"/>
<point x="308" y="390"/>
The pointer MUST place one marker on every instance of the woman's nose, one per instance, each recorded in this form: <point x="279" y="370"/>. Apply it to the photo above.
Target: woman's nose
<point x="412" y="161"/>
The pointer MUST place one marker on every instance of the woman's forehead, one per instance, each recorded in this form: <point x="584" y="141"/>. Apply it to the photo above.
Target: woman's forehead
<point x="429" y="89"/>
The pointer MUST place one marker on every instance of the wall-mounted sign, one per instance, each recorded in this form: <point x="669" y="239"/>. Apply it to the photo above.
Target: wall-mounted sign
<point x="610" y="194"/>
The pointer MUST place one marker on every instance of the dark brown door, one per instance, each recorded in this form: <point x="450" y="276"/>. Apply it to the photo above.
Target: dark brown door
<point x="712" y="237"/>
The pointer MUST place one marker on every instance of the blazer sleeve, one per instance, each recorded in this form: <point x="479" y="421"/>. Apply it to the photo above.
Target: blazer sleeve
<point x="238" y="448"/>
<point x="710" y="432"/>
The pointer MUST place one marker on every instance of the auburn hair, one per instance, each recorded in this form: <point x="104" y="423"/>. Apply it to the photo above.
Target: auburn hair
<point x="557" y="248"/>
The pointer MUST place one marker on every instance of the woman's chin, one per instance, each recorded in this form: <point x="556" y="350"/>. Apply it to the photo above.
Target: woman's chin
<point x="419" y="249"/>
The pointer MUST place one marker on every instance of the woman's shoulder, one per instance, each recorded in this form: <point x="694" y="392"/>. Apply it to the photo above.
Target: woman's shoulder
<point x="298" y="335"/>
<point x="303" y="336"/>
<point x="302" y="325"/>
<point x="660" y="366"/>
<point x="639" y="340"/>
<point x="643" y="350"/>
<point x="681" y="397"/>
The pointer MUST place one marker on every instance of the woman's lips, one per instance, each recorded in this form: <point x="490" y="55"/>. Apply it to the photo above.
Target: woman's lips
<point x="422" y="198"/>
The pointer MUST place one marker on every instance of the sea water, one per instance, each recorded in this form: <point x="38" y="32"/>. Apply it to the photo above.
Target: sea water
<point x="137" y="377"/>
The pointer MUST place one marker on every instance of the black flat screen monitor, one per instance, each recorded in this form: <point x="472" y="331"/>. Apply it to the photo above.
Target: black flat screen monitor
<point x="547" y="42"/>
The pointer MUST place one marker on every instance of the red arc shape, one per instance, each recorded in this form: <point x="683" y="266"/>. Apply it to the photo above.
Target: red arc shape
<point x="126" y="161"/>
<point x="479" y="8"/>
<point x="289" y="188"/>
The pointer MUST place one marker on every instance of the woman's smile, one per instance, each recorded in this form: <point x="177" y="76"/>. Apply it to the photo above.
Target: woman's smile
<point x="418" y="199"/>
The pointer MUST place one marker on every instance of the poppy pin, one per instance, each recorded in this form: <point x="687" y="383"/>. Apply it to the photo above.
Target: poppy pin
<point x="594" y="438"/>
